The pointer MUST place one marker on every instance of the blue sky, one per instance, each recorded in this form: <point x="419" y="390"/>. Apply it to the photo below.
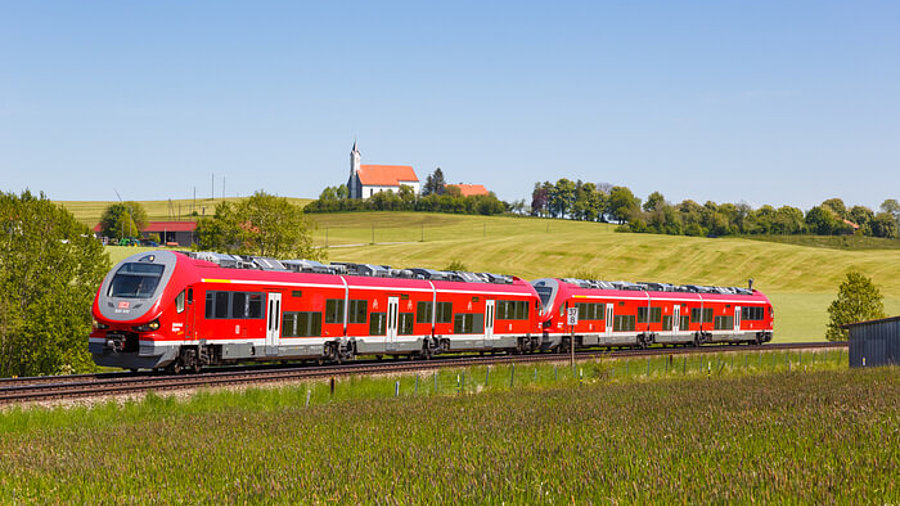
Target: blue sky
<point x="764" y="102"/>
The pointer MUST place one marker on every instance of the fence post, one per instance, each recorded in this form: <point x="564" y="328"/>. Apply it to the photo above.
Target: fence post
<point x="534" y="377"/>
<point x="556" y="372"/>
<point x="648" y="367"/>
<point x="487" y="375"/>
<point x="435" y="382"/>
<point x="416" y="391"/>
<point x="308" y="393"/>
<point x="331" y="386"/>
<point x="397" y="388"/>
<point x="684" y="365"/>
<point x="512" y="374"/>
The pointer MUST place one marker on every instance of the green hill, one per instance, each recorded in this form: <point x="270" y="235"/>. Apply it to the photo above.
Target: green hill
<point x="801" y="280"/>
<point x="89" y="212"/>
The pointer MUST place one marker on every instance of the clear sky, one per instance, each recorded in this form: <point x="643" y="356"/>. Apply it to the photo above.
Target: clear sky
<point x="775" y="102"/>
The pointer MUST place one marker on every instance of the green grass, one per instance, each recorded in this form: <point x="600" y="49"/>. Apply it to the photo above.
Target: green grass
<point x="89" y="212"/>
<point x="844" y="242"/>
<point x="801" y="280"/>
<point x="710" y="432"/>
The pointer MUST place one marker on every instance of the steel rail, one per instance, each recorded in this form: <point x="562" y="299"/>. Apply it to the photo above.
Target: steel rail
<point x="104" y="384"/>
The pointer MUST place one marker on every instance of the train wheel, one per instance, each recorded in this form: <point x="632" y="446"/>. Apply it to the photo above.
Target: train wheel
<point x="378" y="357"/>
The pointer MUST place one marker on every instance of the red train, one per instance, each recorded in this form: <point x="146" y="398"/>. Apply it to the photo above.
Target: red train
<point x="179" y="311"/>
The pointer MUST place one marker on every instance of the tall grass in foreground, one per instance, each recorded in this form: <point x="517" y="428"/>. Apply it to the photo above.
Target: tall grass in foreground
<point x="719" y="433"/>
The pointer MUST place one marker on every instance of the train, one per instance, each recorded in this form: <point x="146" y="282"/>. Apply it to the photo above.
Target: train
<point x="179" y="311"/>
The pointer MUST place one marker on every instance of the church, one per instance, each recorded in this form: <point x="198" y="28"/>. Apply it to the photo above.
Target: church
<point x="367" y="180"/>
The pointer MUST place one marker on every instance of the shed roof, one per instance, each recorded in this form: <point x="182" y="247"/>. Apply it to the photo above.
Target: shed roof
<point x="468" y="190"/>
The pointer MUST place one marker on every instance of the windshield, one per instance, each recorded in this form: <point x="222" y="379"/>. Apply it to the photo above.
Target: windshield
<point x="544" y="292"/>
<point x="136" y="281"/>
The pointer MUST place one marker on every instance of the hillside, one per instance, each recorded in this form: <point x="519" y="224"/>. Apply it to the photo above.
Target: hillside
<point x="89" y="212"/>
<point x="800" y="280"/>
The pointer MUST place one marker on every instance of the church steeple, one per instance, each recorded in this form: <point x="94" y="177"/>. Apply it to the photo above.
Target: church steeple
<point x="353" y="184"/>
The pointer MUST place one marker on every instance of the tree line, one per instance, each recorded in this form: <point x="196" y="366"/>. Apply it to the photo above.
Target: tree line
<point x="607" y="203"/>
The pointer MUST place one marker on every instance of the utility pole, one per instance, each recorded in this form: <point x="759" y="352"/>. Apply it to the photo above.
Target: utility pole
<point x="212" y="188"/>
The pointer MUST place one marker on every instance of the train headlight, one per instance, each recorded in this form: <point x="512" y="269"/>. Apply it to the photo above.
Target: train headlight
<point x="147" y="327"/>
<point x="99" y="326"/>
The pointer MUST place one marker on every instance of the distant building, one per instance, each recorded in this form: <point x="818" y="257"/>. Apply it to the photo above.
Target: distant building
<point x="469" y="190"/>
<point x="367" y="180"/>
<point x="179" y="233"/>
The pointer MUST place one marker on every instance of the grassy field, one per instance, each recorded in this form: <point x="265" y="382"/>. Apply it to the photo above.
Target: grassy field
<point x="89" y="212"/>
<point x="801" y="279"/>
<point x="751" y="428"/>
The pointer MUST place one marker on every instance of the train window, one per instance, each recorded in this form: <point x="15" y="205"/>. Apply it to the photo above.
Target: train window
<point x="655" y="315"/>
<point x="301" y="324"/>
<point x="221" y="304"/>
<point x="255" y="306"/>
<point x="468" y="323"/>
<point x="179" y="303"/>
<point x="376" y="324"/>
<point x="724" y="323"/>
<point x="334" y="311"/>
<point x="513" y="309"/>
<point x="685" y="322"/>
<point x="753" y="313"/>
<point x="190" y="296"/>
<point x="667" y="322"/>
<point x="423" y="312"/>
<point x="405" y="326"/>
<point x="642" y="315"/>
<point x="624" y="322"/>
<point x="358" y="311"/>
<point x="702" y="316"/>
<point x="238" y="304"/>
<point x="136" y="281"/>
<point x="444" y="312"/>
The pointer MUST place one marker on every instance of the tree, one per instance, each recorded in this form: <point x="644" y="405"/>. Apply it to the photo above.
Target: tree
<point x="123" y="219"/>
<point x="263" y="225"/>
<point x="821" y="220"/>
<point x="884" y="225"/>
<point x="622" y="204"/>
<point x="540" y="196"/>
<point x="858" y="300"/>
<point x="434" y="183"/>
<point x="50" y="268"/>
<point x="654" y="201"/>
<point x="836" y="205"/>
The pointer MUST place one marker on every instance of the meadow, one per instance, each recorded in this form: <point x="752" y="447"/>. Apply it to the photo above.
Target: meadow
<point x="745" y="427"/>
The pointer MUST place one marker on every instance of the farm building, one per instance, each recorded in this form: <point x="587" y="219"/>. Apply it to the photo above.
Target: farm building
<point x="367" y="180"/>
<point x="875" y="342"/>
<point x="175" y="232"/>
<point x="468" y="190"/>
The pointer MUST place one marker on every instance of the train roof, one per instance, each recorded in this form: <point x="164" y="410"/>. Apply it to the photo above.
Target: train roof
<point x="646" y="286"/>
<point x="248" y="262"/>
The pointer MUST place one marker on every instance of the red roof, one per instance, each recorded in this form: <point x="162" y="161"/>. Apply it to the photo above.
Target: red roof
<point x="468" y="190"/>
<point x="164" y="226"/>
<point x="854" y="226"/>
<point x="386" y="175"/>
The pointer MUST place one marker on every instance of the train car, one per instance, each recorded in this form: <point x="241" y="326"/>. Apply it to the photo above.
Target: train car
<point x="621" y="314"/>
<point x="188" y="310"/>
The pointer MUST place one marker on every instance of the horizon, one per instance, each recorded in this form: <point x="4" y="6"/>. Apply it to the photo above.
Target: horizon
<point x="763" y="102"/>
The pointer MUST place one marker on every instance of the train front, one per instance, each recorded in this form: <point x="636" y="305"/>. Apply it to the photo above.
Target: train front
<point x="132" y="314"/>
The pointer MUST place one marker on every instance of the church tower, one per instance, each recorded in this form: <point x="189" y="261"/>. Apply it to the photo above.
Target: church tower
<point x="353" y="184"/>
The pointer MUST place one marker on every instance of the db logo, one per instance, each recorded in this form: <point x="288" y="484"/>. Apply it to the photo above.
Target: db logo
<point x="124" y="304"/>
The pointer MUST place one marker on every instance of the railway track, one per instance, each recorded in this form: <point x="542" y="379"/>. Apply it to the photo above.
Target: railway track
<point x="21" y="390"/>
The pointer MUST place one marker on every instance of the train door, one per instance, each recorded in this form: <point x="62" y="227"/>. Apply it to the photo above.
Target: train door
<point x="676" y="319"/>
<point x="737" y="319"/>
<point x="609" y="319"/>
<point x="189" y="314"/>
<point x="392" y="317"/>
<point x="488" y="321"/>
<point x="273" y="323"/>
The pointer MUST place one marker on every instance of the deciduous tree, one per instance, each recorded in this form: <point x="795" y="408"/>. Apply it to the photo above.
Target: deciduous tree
<point x="123" y="219"/>
<point x="858" y="300"/>
<point x="50" y="268"/>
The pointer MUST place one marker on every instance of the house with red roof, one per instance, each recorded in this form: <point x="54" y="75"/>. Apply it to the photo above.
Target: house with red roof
<point x="367" y="180"/>
<point x="469" y="190"/>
